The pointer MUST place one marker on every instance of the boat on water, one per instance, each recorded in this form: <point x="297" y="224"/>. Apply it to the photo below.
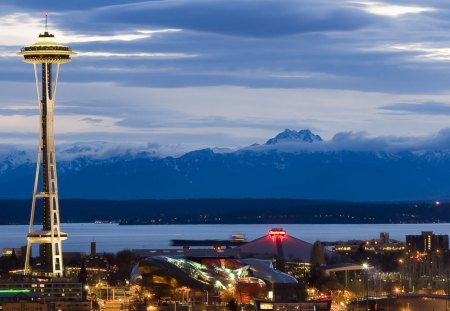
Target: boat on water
<point x="97" y="222"/>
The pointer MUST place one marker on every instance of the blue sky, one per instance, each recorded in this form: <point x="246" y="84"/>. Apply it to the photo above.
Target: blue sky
<point x="231" y="73"/>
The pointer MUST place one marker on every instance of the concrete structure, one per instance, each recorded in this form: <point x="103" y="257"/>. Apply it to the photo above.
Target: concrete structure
<point x="46" y="54"/>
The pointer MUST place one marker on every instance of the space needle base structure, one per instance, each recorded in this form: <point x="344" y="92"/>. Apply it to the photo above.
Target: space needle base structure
<point x="46" y="57"/>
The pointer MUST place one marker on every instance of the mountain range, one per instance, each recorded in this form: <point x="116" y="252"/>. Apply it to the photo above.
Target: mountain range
<point x="293" y="164"/>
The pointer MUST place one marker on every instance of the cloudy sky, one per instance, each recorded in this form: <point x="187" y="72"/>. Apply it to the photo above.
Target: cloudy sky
<point x="230" y="73"/>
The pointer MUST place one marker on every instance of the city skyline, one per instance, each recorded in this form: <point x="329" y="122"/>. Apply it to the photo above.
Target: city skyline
<point x="229" y="74"/>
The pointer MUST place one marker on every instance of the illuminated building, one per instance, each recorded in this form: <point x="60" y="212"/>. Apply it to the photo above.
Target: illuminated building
<point x="46" y="55"/>
<point x="376" y="246"/>
<point x="19" y="252"/>
<point x="61" y="291"/>
<point x="245" y="273"/>
<point x="320" y="305"/>
<point x="427" y="242"/>
<point x="277" y="244"/>
<point x="243" y="279"/>
<point x="289" y="254"/>
<point x="299" y="270"/>
<point x="96" y="267"/>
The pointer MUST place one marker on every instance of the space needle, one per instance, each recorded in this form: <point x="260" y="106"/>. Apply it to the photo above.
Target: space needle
<point x="46" y="56"/>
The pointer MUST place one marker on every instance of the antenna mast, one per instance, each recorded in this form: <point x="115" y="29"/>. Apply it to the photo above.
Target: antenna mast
<point x="46" y="21"/>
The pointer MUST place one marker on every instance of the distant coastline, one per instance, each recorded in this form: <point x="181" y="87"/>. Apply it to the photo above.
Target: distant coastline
<point x="233" y="211"/>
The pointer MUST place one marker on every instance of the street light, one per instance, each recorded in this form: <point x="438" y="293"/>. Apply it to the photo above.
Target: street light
<point x="448" y="287"/>
<point x="89" y="297"/>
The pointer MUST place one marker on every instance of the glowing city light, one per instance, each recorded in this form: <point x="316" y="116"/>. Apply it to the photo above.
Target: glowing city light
<point x="277" y="232"/>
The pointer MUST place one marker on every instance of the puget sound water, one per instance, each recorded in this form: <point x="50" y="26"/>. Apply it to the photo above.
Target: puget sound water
<point x="113" y="238"/>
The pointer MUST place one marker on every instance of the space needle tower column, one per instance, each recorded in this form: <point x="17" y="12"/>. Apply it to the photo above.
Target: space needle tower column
<point x="46" y="56"/>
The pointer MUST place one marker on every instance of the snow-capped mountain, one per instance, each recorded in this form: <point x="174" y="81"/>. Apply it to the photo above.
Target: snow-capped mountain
<point x="293" y="164"/>
<point x="302" y="136"/>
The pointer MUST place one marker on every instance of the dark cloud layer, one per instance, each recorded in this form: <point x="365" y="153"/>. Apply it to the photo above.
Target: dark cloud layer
<point x="266" y="18"/>
<point x="249" y="43"/>
<point x="428" y="108"/>
<point x="51" y="5"/>
<point x="22" y="112"/>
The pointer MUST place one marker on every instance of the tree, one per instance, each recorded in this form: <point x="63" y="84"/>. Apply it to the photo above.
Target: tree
<point x="125" y="260"/>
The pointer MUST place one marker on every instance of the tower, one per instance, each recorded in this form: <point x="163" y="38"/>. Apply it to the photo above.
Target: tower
<point x="48" y="55"/>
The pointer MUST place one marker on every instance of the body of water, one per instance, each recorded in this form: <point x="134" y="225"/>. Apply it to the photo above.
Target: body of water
<point x="112" y="237"/>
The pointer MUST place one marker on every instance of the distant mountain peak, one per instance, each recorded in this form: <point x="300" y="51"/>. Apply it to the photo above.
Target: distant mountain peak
<point x="305" y="136"/>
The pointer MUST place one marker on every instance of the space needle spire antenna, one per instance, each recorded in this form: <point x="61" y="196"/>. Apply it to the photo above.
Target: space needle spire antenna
<point x="46" y="21"/>
<point x="46" y="56"/>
